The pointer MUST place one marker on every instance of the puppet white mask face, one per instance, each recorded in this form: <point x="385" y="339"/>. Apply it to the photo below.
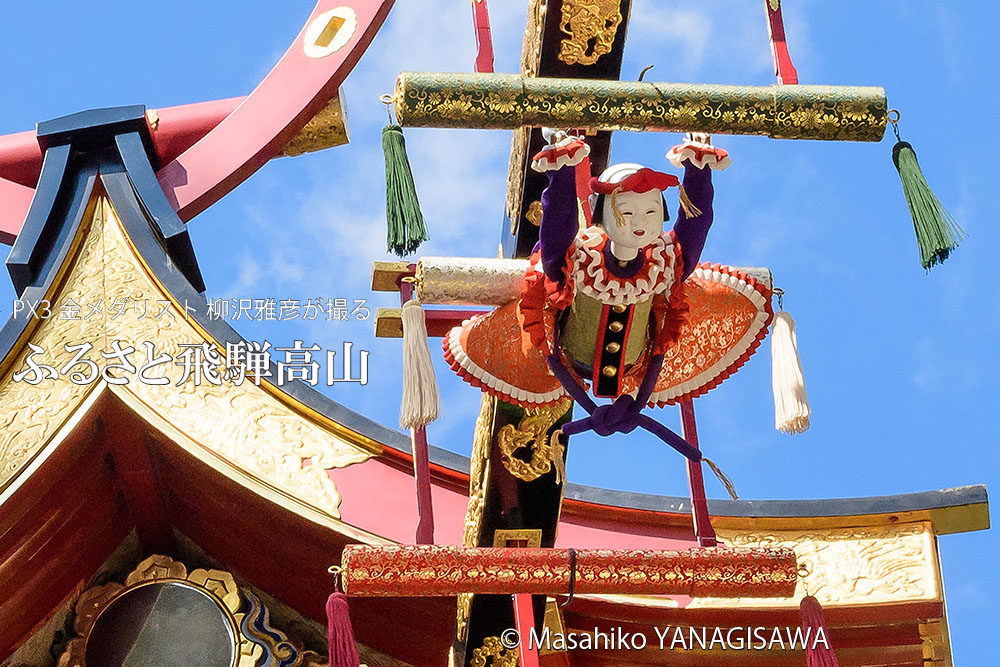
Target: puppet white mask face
<point x="642" y="213"/>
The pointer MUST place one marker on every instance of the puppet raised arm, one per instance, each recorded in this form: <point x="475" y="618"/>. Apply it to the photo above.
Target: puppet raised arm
<point x="560" y="218"/>
<point x="695" y="154"/>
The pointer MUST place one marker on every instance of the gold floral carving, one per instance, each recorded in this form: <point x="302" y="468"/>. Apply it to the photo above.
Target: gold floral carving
<point x="531" y="50"/>
<point x="245" y="426"/>
<point x="590" y="27"/>
<point x="157" y="567"/>
<point x="464" y="610"/>
<point x="88" y="606"/>
<point x="851" y="566"/>
<point x="326" y="129"/>
<point x="493" y="653"/>
<point x="531" y="434"/>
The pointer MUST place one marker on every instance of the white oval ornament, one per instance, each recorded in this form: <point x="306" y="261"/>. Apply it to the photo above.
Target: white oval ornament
<point x="329" y="32"/>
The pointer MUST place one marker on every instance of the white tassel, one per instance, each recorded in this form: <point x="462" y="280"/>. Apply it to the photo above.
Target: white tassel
<point x="791" y="405"/>
<point x="420" y="404"/>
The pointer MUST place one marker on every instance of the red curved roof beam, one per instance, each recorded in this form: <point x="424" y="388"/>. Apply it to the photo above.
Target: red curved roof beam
<point x="209" y="148"/>
<point x="292" y="93"/>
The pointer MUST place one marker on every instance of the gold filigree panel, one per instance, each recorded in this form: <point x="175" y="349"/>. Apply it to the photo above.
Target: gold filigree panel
<point x="244" y="425"/>
<point x="33" y="413"/>
<point x="851" y="566"/>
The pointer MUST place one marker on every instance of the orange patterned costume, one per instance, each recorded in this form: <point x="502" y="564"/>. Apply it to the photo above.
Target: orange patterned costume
<point x="612" y="313"/>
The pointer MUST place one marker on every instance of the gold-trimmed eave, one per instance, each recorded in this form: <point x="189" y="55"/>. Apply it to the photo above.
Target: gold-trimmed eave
<point x="944" y="520"/>
<point x="843" y="567"/>
<point x="258" y="431"/>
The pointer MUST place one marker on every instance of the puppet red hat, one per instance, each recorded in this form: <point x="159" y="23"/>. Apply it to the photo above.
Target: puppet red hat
<point x="631" y="178"/>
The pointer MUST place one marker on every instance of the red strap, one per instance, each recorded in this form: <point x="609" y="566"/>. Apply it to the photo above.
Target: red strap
<point x="524" y="619"/>
<point x="783" y="67"/>
<point x="484" y="38"/>
<point x="583" y="187"/>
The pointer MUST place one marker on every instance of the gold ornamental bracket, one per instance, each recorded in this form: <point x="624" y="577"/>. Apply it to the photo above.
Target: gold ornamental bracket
<point x="510" y="101"/>
<point x="231" y="619"/>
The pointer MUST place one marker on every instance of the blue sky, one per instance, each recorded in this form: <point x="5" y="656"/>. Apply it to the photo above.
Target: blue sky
<point x="900" y="366"/>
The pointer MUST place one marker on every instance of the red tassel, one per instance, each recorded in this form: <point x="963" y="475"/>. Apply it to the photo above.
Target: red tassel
<point x="819" y="652"/>
<point x="343" y="652"/>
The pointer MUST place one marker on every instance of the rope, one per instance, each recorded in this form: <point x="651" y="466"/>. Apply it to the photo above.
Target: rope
<point x="572" y="577"/>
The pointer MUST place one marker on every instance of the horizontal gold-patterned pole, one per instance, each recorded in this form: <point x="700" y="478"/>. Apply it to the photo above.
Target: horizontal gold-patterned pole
<point x="432" y="571"/>
<point x="479" y="281"/>
<point x="509" y="101"/>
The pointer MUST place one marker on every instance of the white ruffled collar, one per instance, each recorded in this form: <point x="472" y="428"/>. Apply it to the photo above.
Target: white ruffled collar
<point x="592" y="277"/>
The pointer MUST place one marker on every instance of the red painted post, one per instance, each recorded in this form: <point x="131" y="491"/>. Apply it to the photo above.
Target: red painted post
<point x="524" y="619"/>
<point x="699" y="504"/>
<point x="421" y="461"/>
<point x="783" y="67"/>
<point x="422" y="474"/>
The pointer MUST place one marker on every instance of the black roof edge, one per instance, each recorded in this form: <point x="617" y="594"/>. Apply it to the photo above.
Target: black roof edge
<point x="828" y="507"/>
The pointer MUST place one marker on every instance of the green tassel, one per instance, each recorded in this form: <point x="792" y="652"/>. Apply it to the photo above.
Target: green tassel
<point x="406" y="230"/>
<point x="937" y="232"/>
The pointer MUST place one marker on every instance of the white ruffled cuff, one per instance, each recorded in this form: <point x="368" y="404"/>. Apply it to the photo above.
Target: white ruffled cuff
<point x="570" y="151"/>
<point x="699" y="155"/>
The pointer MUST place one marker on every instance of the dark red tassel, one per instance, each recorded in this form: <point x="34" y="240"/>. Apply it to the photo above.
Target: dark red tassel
<point x="819" y="651"/>
<point x="343" y="652"/>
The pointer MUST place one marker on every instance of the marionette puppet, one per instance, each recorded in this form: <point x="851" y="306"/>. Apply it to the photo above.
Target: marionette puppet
<point x="620" y="306"/>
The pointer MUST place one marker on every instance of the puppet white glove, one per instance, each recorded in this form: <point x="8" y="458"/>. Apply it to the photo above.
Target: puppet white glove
<point x="697" y="149"/>
<point x="562" y="150"/>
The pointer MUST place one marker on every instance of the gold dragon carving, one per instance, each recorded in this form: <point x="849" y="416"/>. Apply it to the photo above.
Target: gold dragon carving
<point x="532" y="433"/>
<point x="590" y="27"/>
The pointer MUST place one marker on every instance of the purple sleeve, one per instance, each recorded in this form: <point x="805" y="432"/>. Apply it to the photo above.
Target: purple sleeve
<point x="692" y="232"/>
<point x="559" y="221"/>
